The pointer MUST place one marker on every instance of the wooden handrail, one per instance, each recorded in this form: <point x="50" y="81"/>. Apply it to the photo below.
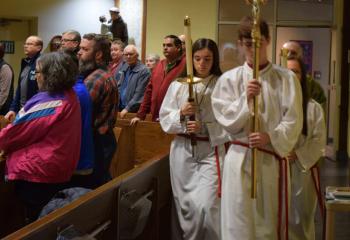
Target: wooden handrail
<point x="130" y="116"/>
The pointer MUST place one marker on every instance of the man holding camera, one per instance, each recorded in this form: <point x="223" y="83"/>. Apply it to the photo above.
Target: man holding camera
<point x="116" y="25"/>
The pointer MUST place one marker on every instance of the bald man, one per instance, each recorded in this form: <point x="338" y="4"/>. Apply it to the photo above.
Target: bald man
<point x="293" y="49"/>
<point x="27" y="85"/>
<point x="182" y="37"/>
<point x="132" y="80"/>
<point x="315" y="89"/>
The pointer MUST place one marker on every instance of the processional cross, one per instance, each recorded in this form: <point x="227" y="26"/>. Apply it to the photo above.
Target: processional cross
<point x="256" y="38"/>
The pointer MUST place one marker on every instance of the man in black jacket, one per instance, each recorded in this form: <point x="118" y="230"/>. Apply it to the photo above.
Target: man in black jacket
<point x="116" y="25"/>
<point x="27" y="85"/>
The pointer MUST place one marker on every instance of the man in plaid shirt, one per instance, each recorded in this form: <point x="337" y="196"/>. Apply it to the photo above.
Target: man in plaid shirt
<point x="93" y="58"/>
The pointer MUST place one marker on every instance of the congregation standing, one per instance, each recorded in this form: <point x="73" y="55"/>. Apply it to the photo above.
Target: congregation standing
<point x="80" y="88"/>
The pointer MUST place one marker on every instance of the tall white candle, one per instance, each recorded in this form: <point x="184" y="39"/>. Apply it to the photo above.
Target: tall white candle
<point x="188" y="44"/>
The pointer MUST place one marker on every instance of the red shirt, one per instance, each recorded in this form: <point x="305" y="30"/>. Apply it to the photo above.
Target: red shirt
<point x="158" y="86"/>
<point x="113" y="67"/>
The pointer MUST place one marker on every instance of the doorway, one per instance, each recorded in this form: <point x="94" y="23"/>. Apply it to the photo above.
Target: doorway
<point x="16" y="30"/>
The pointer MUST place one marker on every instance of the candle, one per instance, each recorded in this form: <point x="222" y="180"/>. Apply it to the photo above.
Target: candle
<point x="188" y="44"/>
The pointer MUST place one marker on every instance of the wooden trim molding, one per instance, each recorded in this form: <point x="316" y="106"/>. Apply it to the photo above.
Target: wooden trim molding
<point x="144" y="30"/>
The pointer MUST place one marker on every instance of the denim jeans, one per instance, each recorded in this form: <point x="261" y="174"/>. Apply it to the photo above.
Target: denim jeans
<point x="105" y="147"/>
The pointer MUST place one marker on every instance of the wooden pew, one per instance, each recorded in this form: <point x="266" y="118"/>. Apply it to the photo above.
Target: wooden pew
<point x="137" y="144"/>
<point x="130" y="116"/>
<point x="3" y="122"/>
<point x="101" y="205"/>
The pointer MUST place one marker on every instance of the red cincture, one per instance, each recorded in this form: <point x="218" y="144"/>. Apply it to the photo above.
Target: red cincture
<point x="282" y="185"/>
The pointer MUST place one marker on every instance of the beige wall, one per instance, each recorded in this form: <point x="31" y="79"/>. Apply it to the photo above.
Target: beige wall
<point x="17" y="32"/>
<point x="53" y="17"/>
<point x="165" y="17"/>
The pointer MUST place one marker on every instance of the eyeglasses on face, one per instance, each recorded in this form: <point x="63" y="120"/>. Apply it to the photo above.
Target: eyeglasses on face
<point x="68" y="40"/>
<point x="128" y="54"/>
<point x="29" y="44"/>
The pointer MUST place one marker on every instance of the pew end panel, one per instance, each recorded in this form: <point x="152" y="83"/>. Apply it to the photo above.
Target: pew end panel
<point x="150" y="140"/>
<point x="137" y="144"/>
<point x="153" y="183"/>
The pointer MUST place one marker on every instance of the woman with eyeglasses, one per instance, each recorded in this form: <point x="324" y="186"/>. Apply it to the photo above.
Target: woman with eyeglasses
<point x="305" y="185"/>
<point x="42" y="144"/>
<point x="195" y="178"/>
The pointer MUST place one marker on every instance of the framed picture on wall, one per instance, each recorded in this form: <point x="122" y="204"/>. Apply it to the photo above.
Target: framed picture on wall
<point x="307" y="50"/>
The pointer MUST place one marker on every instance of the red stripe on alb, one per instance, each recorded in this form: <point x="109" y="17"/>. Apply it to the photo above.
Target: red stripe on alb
<point x="282" y="182"/>
<point x="315" y="173"/>
<point x="218" y="170"/>
<point x="286" y="194"/>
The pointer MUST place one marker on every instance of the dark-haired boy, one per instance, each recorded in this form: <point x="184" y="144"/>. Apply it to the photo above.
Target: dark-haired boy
<point x="280" y="118"/>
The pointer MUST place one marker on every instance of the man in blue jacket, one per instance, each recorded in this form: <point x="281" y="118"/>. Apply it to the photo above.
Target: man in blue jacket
<point x="132" y="80"/>
<point x="27" y="85"/>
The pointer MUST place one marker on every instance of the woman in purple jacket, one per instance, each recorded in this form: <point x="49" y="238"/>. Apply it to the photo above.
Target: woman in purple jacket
<point x="43" y="143"/>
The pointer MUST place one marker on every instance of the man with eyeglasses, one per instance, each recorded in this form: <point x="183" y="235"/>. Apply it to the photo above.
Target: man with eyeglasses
<point x="315" y="89"/>
<point x="132" y="80"/>
<point x="280" y="121"/>
<point x="70" y="43"/>
<point x="27" y="85"/>
<point x="83" y="175"/>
